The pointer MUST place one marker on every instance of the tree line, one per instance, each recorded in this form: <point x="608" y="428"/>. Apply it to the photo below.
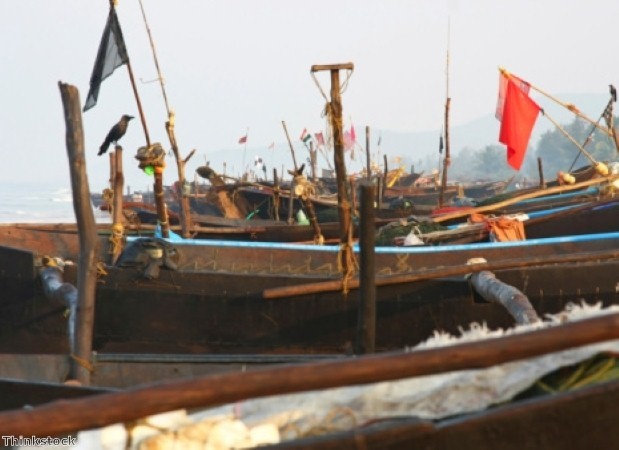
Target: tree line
<point x="556" y="152"/>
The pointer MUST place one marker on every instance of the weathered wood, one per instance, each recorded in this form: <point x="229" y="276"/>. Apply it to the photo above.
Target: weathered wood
<point x="366" y="328"/>
<point x="185" y="211"/>
<point x="294" y="158"/>
<point x="440" y="272"/>
<point x="276" y="196"/>
<point x="162" y="213"/>
<point x="368" y="159"/>
<point x="119" y="183"/>
<point x="88" y="240"/>
<point x="333" y="67"/>
<point x="118" y="218"/>
<point x="493" y="290"/>
<point x="447" y="160"/>
<point x="343" y="203"/>
<point x="540" y="170"/>
<point x="101" y="410"/>
<point x="535" y="194"/>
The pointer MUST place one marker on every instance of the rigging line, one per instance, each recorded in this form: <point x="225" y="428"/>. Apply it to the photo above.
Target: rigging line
<point x="152" y="46"/>
<point x="588" y="139"/>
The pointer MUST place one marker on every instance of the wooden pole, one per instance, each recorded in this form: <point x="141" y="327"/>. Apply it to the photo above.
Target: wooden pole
<point x="118" y="219"/>
<point x="440" y="272"/>
<point x="313" y="162"/>
<point x="160" y="204"/>
<point x="366" y="324"/>
<point x="276" y="192"/>
<point x="119" y="181"/>
<point x="294" y="159"/>
<point x="368" y="159"/>
<point x="540" y="170"/>
<point x="87" y="230"/>
<point x="344" y="208"/>
<point x="447" y="160"/>
<point x="185" y="210"/>
<point x="67" y="416"/>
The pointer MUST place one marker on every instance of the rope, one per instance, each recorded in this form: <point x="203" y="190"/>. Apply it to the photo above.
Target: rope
<point x="101" y="269"/>
<point x="116" y="238"/>
<point x="346" y="259"/>
<point x="303" y="187"/>
<point x="83" y="362"/>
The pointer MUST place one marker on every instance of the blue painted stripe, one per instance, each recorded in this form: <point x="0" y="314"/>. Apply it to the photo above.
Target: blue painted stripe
<point x="398" y="250"/>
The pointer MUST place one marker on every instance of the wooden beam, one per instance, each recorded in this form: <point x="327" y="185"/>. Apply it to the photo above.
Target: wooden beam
<point x="440" y="272"/>
<point x="87" y="231"/>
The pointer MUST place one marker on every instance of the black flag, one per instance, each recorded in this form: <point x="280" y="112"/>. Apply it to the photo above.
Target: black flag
<point x="112" y="54"/>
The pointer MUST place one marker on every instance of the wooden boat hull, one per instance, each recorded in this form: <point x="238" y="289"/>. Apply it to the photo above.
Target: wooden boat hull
<point x="577" y="420"/>
<point x="213" y="303"/>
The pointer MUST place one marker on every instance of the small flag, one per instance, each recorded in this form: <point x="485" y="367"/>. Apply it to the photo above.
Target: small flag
<point x="353" y="136"/>
<point x="112" y="54"/>
<point x="243" y="139"/>
<point x="320" y="139"/>
<point x="272" y="146"/>
<point x="305" y="136"/>
<point x="348" y="142"/>
<point x="518" y="114"/>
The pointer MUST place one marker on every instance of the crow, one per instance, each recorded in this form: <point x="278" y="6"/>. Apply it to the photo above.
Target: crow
<point x="115" y="133"/>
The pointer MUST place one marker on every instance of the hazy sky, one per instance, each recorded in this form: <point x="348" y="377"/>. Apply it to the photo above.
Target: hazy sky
<point x="235" y="65"/>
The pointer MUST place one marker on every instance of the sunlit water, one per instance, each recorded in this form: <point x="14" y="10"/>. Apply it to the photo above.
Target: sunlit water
<point x="39" y="202"/>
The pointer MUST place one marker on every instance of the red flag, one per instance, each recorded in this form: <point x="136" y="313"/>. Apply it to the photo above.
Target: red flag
<point x="348" y="141"/>
<point x="320" y="139"/>
<point x="523" y="85"/>
<point x="353" y="136"/>
<point x="243" y="139"/>
<point x="518" y="117"/>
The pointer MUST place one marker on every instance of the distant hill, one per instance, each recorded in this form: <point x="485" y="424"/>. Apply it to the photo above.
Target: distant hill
<point x="413" y="147"/>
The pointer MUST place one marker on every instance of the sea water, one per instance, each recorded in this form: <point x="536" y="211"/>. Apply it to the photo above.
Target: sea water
<point x="39" y="202"/>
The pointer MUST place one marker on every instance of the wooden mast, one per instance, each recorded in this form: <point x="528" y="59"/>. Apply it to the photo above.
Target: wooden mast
<point x="158" y="184"/>
<point x="185" y="216"/>
<point x="334" y="109"/>
<point x="447" y="160"/>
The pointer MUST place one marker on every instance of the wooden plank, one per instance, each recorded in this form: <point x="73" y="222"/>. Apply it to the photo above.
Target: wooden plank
<point x="441" y="272"/>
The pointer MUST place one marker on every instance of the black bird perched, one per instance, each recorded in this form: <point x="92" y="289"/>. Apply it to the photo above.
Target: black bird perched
<point x="115" y="133"/>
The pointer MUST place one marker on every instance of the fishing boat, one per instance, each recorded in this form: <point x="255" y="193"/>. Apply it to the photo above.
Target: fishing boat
<point x="479" y="391"/>
<point x="223" y="297"/>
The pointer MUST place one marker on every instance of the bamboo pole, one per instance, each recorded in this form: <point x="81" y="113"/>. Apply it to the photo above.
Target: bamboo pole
<point x="87" y="230"/>
<point x="67" y="416"/>
<point x="441" y="272"/>
<point x="185" y="214"/>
